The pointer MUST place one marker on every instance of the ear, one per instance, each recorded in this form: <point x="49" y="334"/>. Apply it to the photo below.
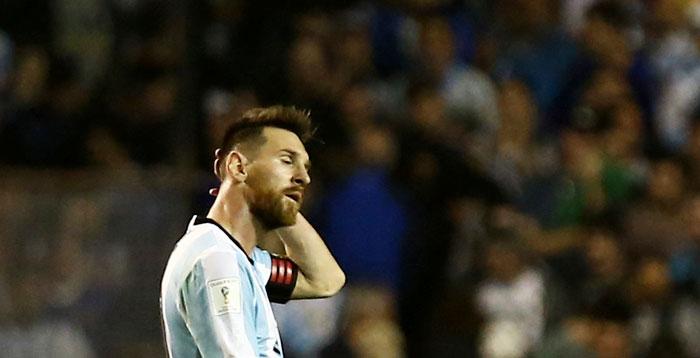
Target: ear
<point x="217" y="151"/>
<point x="236" y="166"/>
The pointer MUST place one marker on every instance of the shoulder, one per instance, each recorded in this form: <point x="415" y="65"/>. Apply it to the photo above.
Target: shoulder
<point x="204" y="249"/>
<point x="215" y="266"/>
<point x="204" y="239"/>
<point x="217" y="256"/>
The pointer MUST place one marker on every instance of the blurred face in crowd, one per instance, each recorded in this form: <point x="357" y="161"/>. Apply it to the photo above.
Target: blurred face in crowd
<point x="613" y="340"/>
<point x="581" y="154"/>
<point x="12" y="202"/>
<point x="581" y="329"/>
<point x="668" y="15"/>
<point x="693" y="217"/>
<point x="624" y="138"/>
<point x="31" y="75"/>
<point x="603" y="255"/>
<point x="607" y="88"/>
<point x="376" y="147"/>
<point x="277" y="176"/>
<point x="652" y="281"/>
<point x="428" y="110"/>
<point x="437" y="45"/>
<point x="607" y="43"/>
<point x="371" y="328"/>
<point x="28" y="294"/>
<point x="693" y="146"/>
<point x="67" y="259"/>
<point x="518" y="112"/>
<point x="526" y="16"/>
<point x="308" y="66"/>
<point x="354" y="51"/>
<point x="357" y="106"/>
<point x="666" y="183"/>
<point x="503" y="263"/>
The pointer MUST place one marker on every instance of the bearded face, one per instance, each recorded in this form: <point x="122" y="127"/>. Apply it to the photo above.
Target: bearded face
<point x="277" y="174"/>
<point x="270" y="205"/>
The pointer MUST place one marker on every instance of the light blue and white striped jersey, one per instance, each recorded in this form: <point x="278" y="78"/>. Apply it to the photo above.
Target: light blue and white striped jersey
<point x="213" y="297"/>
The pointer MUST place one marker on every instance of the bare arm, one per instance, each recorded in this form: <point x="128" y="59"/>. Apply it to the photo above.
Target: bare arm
<point x="319" y="273"/>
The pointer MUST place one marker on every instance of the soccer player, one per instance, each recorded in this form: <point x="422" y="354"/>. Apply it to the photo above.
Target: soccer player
<point x="218" y="283"/>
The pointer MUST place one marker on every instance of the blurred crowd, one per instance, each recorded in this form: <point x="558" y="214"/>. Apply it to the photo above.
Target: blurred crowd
<point x="505" y="178"/>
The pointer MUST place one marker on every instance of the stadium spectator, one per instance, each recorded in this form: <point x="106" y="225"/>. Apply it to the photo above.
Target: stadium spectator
<point x="691" y="152"/>
<point x="29" y="333"/>
<point x="511" y="299"/>
<point x="365" y="221"/>
<point x="674" y="49"/>
<point x="654" y="224"/>
<point x="368" y="325"/>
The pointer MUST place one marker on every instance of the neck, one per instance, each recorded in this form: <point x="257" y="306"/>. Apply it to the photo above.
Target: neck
<point x="232" y="212"/>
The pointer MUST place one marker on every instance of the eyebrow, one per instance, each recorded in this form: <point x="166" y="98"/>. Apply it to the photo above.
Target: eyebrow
<point x="296" y="154"/>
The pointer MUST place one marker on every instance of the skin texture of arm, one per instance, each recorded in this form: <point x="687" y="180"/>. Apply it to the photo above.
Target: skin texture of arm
<point x="319" y="273"/>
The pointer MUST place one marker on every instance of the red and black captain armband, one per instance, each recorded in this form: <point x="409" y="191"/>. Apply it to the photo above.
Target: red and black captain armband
<point x="283" y="279"/>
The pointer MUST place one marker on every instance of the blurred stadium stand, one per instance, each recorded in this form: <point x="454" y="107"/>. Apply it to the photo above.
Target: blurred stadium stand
<point x="506" y="178"/>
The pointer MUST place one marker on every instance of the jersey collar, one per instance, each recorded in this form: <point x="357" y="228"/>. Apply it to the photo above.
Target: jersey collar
<point x="197" y="220"/>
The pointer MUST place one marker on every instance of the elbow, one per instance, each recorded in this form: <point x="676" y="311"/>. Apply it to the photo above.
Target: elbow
<point x="333" y="285"/>
<point x="339" y="282"/>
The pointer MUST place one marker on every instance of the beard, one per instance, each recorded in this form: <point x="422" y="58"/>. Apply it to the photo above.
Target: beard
<point x="272" y="207"/>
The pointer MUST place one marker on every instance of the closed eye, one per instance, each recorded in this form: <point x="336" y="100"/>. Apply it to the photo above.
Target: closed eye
<point x="287" y="160"/>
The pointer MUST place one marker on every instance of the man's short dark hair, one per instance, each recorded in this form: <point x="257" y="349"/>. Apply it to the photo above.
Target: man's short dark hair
<point x="247" y="129"/>
<point x="613" y="12"/>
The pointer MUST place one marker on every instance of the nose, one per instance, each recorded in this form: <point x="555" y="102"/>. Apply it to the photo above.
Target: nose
<point x="302" y="177"/>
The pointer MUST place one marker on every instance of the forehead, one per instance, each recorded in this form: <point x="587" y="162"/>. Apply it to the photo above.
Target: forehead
<point x="278" y="139"/>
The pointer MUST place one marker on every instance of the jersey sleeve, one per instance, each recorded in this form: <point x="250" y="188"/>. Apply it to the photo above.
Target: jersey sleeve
<point x="213" y="300"/>
<point x="279" y="273"/>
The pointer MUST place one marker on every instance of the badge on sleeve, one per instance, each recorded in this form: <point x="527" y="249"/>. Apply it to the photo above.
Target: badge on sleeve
<point x="225" y="295"/>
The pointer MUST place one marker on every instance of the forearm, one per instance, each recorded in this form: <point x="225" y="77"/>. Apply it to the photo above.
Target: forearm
<point x="320" y="275"/>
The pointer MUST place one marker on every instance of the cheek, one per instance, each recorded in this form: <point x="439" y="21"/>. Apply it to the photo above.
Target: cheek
<point x="259" y="179"/>
<point x="271" y="174"/>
